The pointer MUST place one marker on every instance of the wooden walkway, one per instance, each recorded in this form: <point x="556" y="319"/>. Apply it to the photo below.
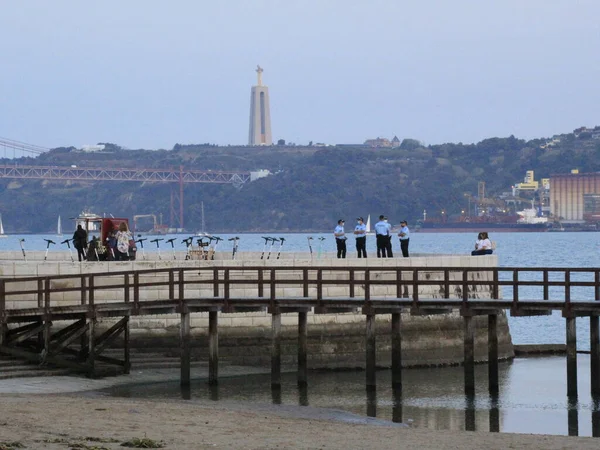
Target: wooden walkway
<point x="30" y="305"/>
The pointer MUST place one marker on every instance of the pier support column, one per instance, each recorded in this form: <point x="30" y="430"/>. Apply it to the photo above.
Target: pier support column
<point x="493" y="353"/>
<point x="275" y="349"/>
<point x="571" y="357"/>
<point x="594" y="356"/>
<point x="396" y="351"/>
<point x="371" y="352"/>
<point x="91" y="350"/>
<point x="184" y="342"/>
<point x="469" y="355"/>
<point x="213" y="347"/>
<point x="302" y="349"/>
<point x="126" y="347"/>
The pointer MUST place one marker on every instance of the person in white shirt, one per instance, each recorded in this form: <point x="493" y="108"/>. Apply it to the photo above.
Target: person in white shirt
<point x="483" y="245"/>
<point x="340" y="239"/>
<point x="404" y="236"/>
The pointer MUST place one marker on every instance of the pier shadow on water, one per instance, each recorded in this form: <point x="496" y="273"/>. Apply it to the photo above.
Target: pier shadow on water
<point x="532" y="398"/>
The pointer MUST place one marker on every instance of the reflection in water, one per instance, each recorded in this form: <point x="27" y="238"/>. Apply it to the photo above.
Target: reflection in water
<point x="397" y="405"/>
<point x="213" y="391"/>
<point x="596" y="416"/>
<point x="532" y="397"/>
<point x="573" y="415"/>
<point x="276" y="394"/>
<point x="303" y="395"/>
<point x="494" y="413"/>
<point x="371" y="402"/>
<point x="470" y="412"/>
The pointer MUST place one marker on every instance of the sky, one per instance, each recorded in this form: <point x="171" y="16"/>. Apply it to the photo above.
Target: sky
<point x="150" y="74"/>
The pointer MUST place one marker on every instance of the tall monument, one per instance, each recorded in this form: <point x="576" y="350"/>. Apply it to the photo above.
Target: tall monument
<point x="260" y="115"/>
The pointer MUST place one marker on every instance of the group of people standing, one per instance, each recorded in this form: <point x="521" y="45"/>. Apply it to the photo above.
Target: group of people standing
<point x="118" y="242"/>
<point x="383" y="234"/>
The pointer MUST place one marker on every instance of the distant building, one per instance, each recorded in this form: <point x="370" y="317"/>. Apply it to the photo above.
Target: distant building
<point x="260" y="114"/>
<point x="573" y="196"/>
<point x="395" y="142"/>
<point x="379" y="142"/>
<point x="92" y="148"/>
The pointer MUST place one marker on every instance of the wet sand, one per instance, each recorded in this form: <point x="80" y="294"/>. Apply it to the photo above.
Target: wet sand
<point x="42" y="421"/>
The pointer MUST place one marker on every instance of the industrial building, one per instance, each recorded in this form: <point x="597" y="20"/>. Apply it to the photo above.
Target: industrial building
<point x="575" y="197"/>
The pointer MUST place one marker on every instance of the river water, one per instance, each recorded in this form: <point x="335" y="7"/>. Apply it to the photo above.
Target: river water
<point x="532" y="395"/>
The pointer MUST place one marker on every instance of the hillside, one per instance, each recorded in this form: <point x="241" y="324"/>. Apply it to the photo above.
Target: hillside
<point x="311" y="187"/>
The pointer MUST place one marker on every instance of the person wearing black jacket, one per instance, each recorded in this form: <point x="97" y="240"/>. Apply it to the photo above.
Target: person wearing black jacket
<point x="80" y="242"/>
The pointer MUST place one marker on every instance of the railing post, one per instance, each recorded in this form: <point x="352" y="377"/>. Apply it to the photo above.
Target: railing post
<point x="594" y="356"/>
<point x="567" y="286"/>
<point x="215" y="282"/>
<point x="91" y="289"/>
<point x="181" y="280"/>
<point x="305" y="282"/>
<point x="515" y="287"/>
<point x="226" y="288"/>
<point x="320" y="286"/>
<point x="465" y="287"/>
<point x="351" y="282"/>
<point x="126" y="288"/>
<point x="136" y="291"/>
<point x="272" y="287"/>
<point x="398" y="283"/>
<point x="367" y="285"/>
<point x="171" y="284"/>
<point x="415" y="282"/>
<point x="302" y="348"/>
<point x="546" y="287"/>
<point x="261" y="283"/>
<point x="47" y="317"/>
<point x="446" y="283"/>
<point x="495" y="287"/>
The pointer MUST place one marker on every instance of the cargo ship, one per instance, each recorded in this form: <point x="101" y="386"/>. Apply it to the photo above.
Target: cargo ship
<point x="527" y="220"/>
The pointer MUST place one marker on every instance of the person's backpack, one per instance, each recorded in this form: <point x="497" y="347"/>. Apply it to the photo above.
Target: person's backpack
<point x="123" y="243"/>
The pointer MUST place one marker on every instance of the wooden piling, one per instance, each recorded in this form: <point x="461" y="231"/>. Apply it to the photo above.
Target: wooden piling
<point x="469" y="355"/>
<point x="494" y="413"/>
<point x="493" y="353"/>
<point x="213" y="347"/>
<point x="371" y="352"/>
<point x="126" y="347"/>
<point x="185" y="349"/>
<point x="302" y="349"/>
<point x="571" y="356"/>
<point x="91" y="351"/>
<point x="572" y="416"/>
<point x="396" y="351"/>
<point x="594" y="356"/>
<point x="275" y="349"/>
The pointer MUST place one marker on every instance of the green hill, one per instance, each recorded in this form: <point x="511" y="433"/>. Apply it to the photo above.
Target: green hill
<point x="310" y="188"/>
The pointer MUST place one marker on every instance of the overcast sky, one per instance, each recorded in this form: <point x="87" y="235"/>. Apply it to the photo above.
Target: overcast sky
<point x="149" y="74"/>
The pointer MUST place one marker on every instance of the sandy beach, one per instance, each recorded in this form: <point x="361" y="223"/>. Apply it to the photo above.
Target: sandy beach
<point x="43" y="421"/>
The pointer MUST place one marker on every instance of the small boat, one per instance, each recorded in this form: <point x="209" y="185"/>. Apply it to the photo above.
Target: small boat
<point x="59" y="228"/>
<point x="2" y="235"/>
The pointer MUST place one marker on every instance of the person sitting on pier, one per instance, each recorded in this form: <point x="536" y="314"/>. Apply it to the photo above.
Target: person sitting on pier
<point x="483" y="245"/>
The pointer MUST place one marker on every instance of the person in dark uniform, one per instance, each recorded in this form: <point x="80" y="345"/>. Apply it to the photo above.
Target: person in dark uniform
<point x="381" y="233"/>
<point x="340" y="239"/>
<point x="80" y="242"/>
<point x="360" y="231"/>
<point x="388" y="245"/>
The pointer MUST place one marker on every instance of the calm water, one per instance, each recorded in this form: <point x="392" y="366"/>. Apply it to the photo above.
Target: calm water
<point x="532" y="396"/>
